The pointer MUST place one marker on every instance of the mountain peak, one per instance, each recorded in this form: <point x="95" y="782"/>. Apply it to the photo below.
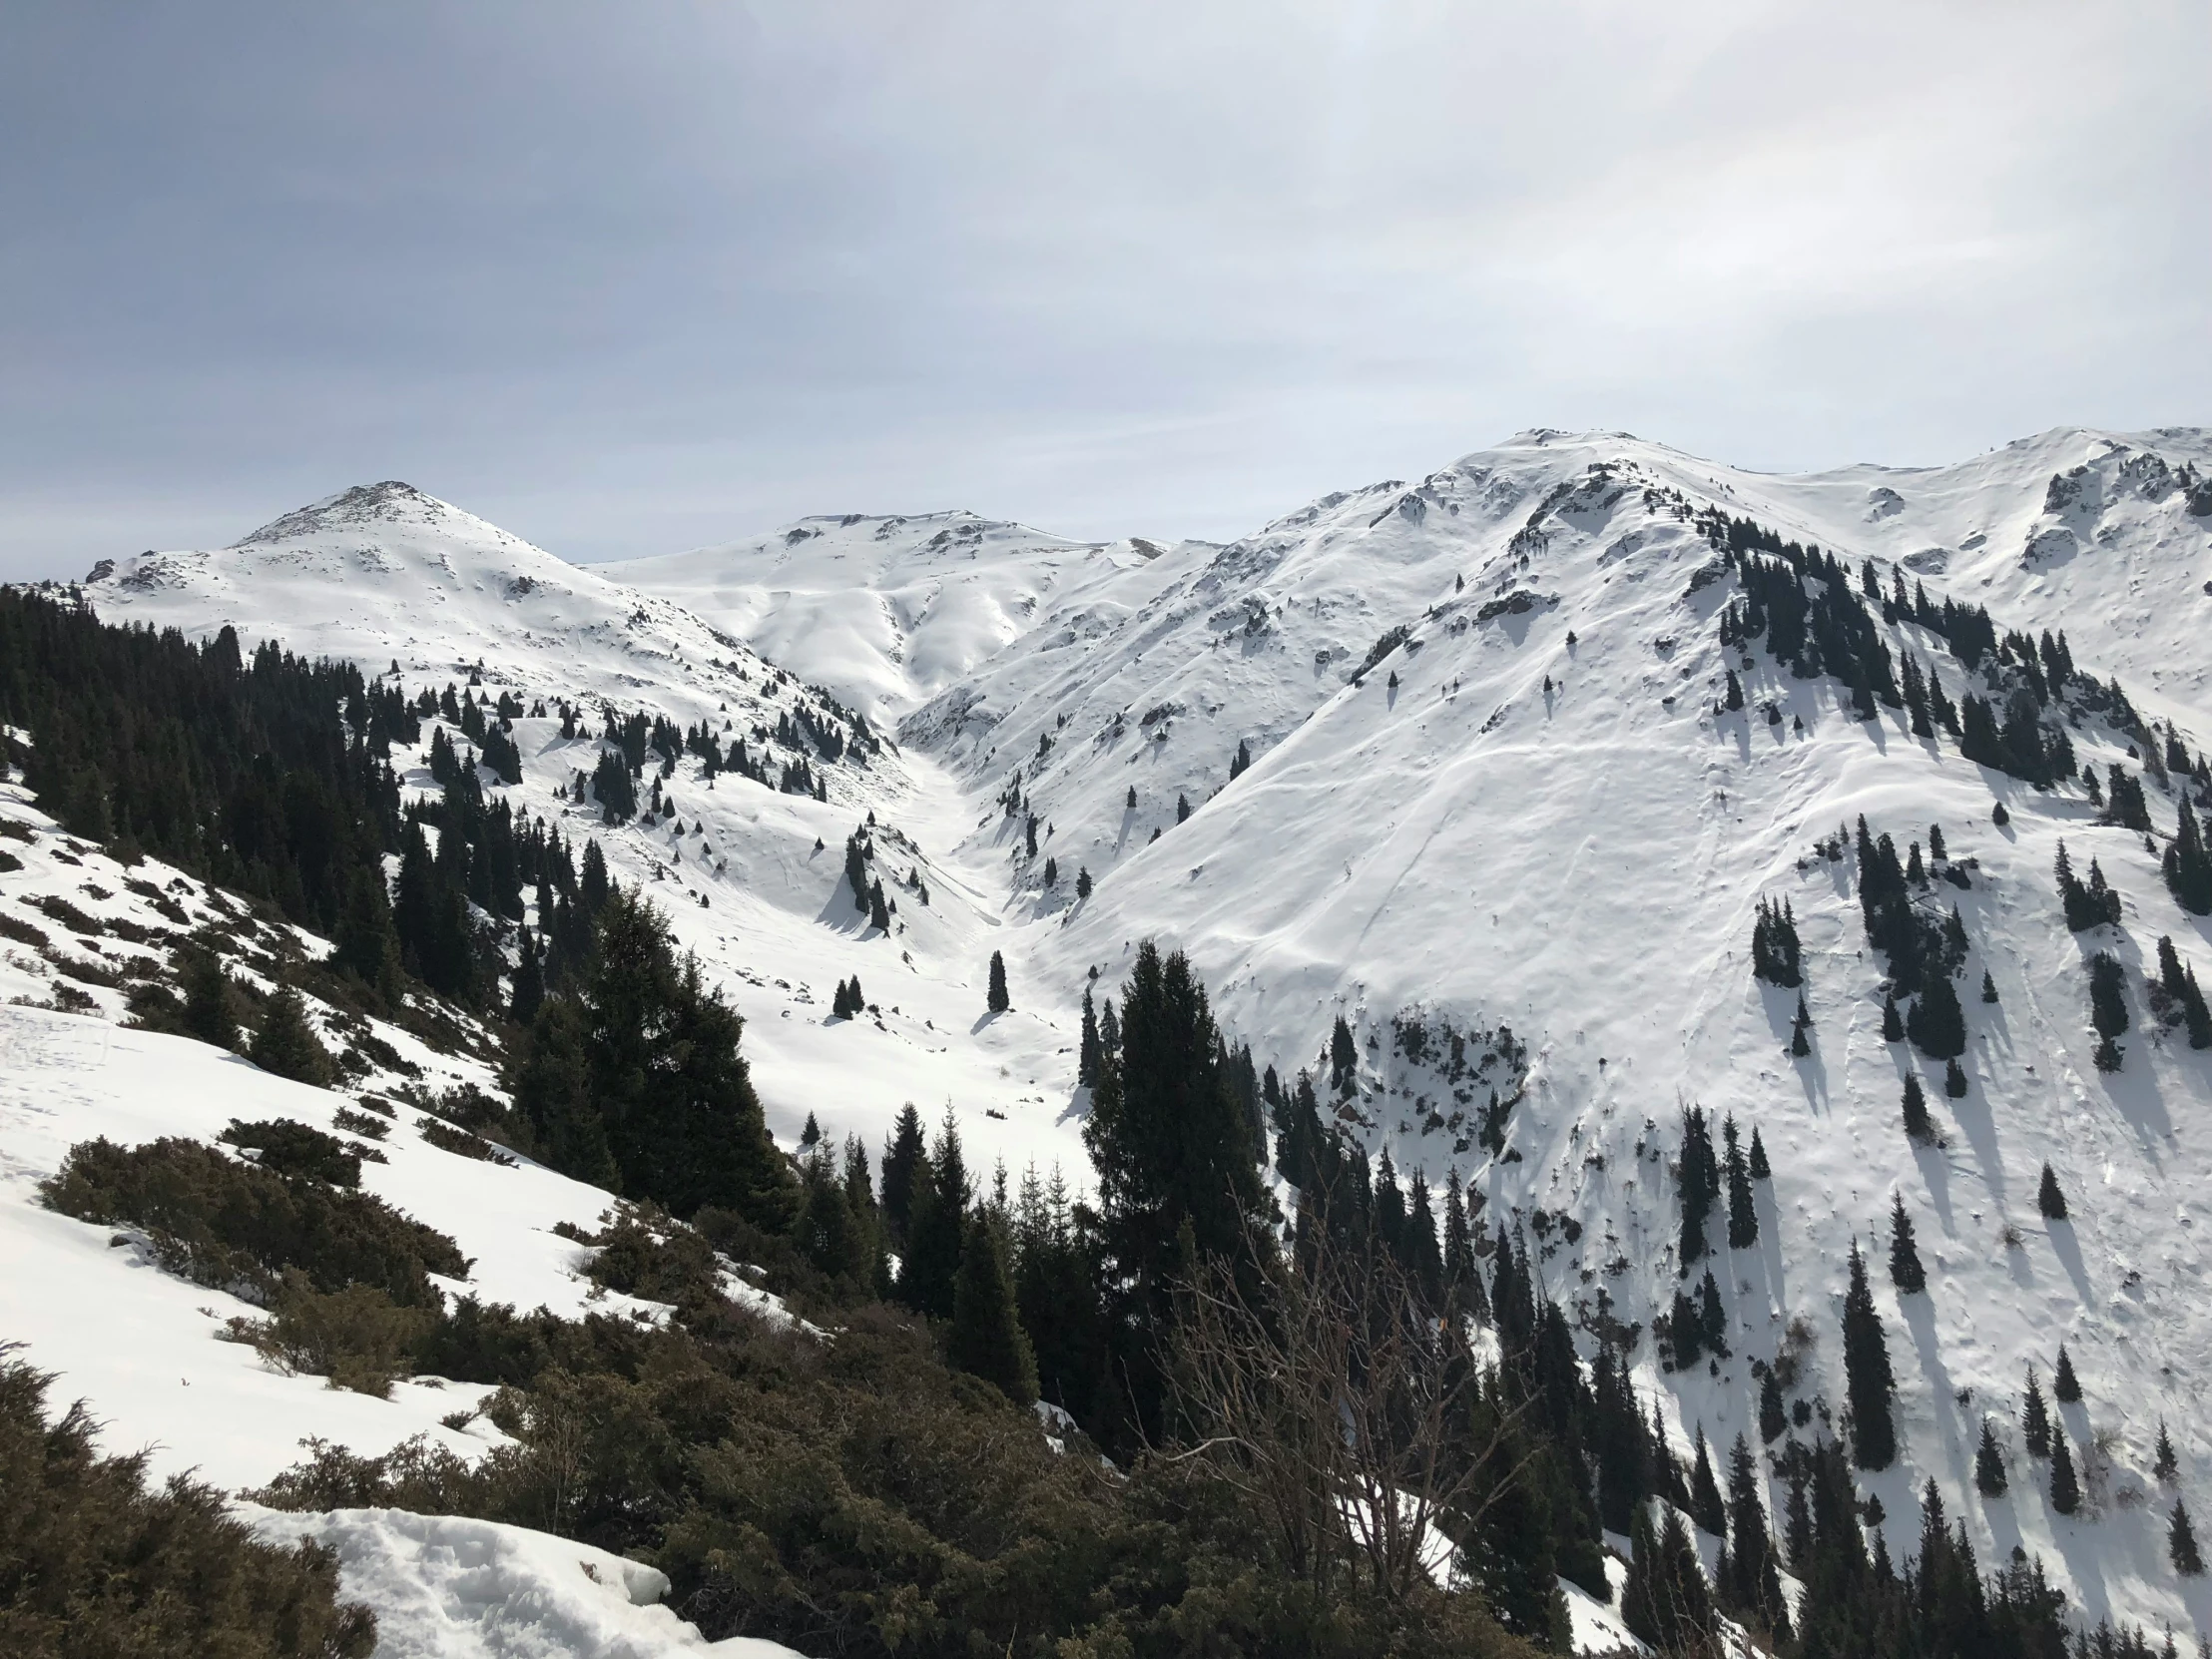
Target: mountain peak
<point x="391" y="501"/>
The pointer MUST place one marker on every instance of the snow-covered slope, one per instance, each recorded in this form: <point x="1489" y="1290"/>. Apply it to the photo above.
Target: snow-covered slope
<point x="1526" y="813"/>
<point x="886" y="612"/>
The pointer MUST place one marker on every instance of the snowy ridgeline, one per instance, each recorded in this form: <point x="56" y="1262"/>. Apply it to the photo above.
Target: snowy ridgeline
<point x="1493" y="784"/>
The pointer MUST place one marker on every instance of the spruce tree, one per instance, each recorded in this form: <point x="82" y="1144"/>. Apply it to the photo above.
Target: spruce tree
<point x="2048" y="1198"/>
<point x="1761" y="1170"/>
<point x="1743" y="1213"/>
<point x="1988" y="1463"/>
<point x="550" y="1081"/>
<point x="2065" y="1487"/>
<point x="1919" y="1128"/>
<point x="906" y="1156"/>
<point x="1751" y="1585"/>
<point x="2034" y="1419"/>
<point x="1706" y="1508"/>
<point x="1937" y="1024"/>
<point x="1892" y="1024"/>
<point x="1868" y="1377"/>
<point x="986" y="1339"/>
<point x="2181" y="1543"/>
<point x="527" y="992"/>
<point x="1343" y="1059"/>
<point x="1699" y="1179"/>
<point x="2065" y="1388"/>
<point x="937" y="1229"/>
<point x="1088" y="1052"/>
<point x="2107" y="1007"/>
<point x="2164" y="1464"/>
<point x="1800" y="1047"/>
<point x="207" y="997"/>
<point x="1955" y="1079"/>
<point x="997" y="1000"/>
<point x="1773" y="1418"/>
<point x="286" y="1044"/>
<point x="1906" y="1271"/>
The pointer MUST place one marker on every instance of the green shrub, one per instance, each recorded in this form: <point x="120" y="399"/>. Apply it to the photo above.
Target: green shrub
<point x="446" y="1138"/>
<point x="290" y="1147"/>
<point x="225" y="1223"/>
<point x="93" y="1564"/>
<point x="356" y="1337"/>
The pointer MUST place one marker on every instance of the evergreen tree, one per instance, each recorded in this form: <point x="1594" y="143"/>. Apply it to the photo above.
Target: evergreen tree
<point x="1988" y="987"/>
<point x="1082" y="883"/>
<point x="1937" y="1024"/>
<point x="208" y="998"/>
<point x="905" y="1158"/>
<point x="1919" y="1128"/>
<point x="1088" y="1054"/>
<point x="1343" y="1059"/>
<point x="2107" y="1006"/>
<point x="938" y="1229"/>
<point x="1699" y="1179"/>
<point x="2048" y="1198"/>
<point x="1751" y="1585"/>
<point x="1892" y="1024"/>
<point x="2065" y="1388"/>
<point x="1743" y="1213"/>
<point x="286" y="1044"/>
<point x="1800" y="1047"/>
<point x="986" y="1339"/>
<point x="1773" y="1418"/>
<point x="880" y="909"/>
<point x="2034" y="1419"/>
<point x="666" y="1072"/>
<point x="998" y="1001"/>
<point x="2164" y="1464"/>
<point x="1988" y="1463"/>
<point x="1665" y="1600"/>
<point x="1775" y="952"/>
<point x="527" y="993"/>
<point x="1869" y="1381"/>
<point x="1906" y="1271"/>
<point x="1706" y="1508"/>
<point x="1182" y="808"/>
<point x="1761" y="1170"/>
<point x="1955" y="1078"/>
<point x="2181" y="1543"/>
<point x="855" y="867"/>
<point x="550" y="1081"/>
<point x="2187" y="864"/>
<point x="2065" y="1487"/>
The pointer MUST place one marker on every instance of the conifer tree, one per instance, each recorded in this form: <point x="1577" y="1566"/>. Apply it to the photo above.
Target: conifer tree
<point x="1799" y="1046"/>
<point x="811" y="1134"/>
<point x="1706" y="1508"/>
<point x="550" y="1081"/>
<point x="986" y="1339"/>
<point x="1892" y="1024"/>
<point x="527" y="992"/>
<point x="208" y="996"/>
<point x="2065" y="1388"/>
<point x="1868" y="1377"/>
<point x="1988" y="1463"/>
<point x="2107" y="1006"/>
<point x="1773" y="1419"/>
<point x="997" y="999"/>
<point x="906" y="1156"/>
<point x="286" y="1044"/>
<point x="1082" y="883"/>
<point x="1919" y="1128"/>
<point x="2181" y="1543"/>
<point x="1775" y="952"/>
<point x="1343" y="1059"/>
<point x="937" y="1229"/>
<point x="2065" y="1487"/>
<point x="1988" y="987"/>
<point x="1087" y="1053"/>
<point x="879" y="908"/>
<point x="1937" y="1024"/>
<point x="1699" y="1179"/>
<point x="2048" y="1198"/>
<point x="2034" y="1419"/>
<point x="1761" y="1170"/>
<point x="1182" y="808"/>
<point x="1743" y="1213"/>
<point x="1906" y="1271"/>
<point x="2164" y="1464"/>
<point x="1955" y="1078"/>
<point x="2187" y="865"/>
<point x="1751" y="1584"/>
<point x="1665" y="1600"/>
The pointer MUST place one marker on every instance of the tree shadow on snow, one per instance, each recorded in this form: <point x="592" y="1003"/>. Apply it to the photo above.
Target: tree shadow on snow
<point x="2067" y="1249"/>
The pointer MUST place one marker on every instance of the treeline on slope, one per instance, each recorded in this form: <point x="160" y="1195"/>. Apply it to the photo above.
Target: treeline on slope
<point x="272" y="776"/>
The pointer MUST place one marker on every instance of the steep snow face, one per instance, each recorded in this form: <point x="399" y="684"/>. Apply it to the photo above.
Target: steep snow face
<point x="884" y="611"/>
<point x="1529" y="812"/>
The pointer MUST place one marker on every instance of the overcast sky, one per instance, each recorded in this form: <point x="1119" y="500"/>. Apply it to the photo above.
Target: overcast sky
<point x="626" y="279"/>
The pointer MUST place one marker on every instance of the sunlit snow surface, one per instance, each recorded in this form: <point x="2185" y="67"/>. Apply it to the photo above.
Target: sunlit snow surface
<point x="1581" y="863"/>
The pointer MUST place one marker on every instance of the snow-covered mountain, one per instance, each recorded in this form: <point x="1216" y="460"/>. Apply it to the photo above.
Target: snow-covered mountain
<point x="1491" y="788"/>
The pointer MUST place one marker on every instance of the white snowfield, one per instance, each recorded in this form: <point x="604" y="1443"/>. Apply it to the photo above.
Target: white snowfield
<point x="445" y="1588"/>
<point x="1526" y="812"/>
